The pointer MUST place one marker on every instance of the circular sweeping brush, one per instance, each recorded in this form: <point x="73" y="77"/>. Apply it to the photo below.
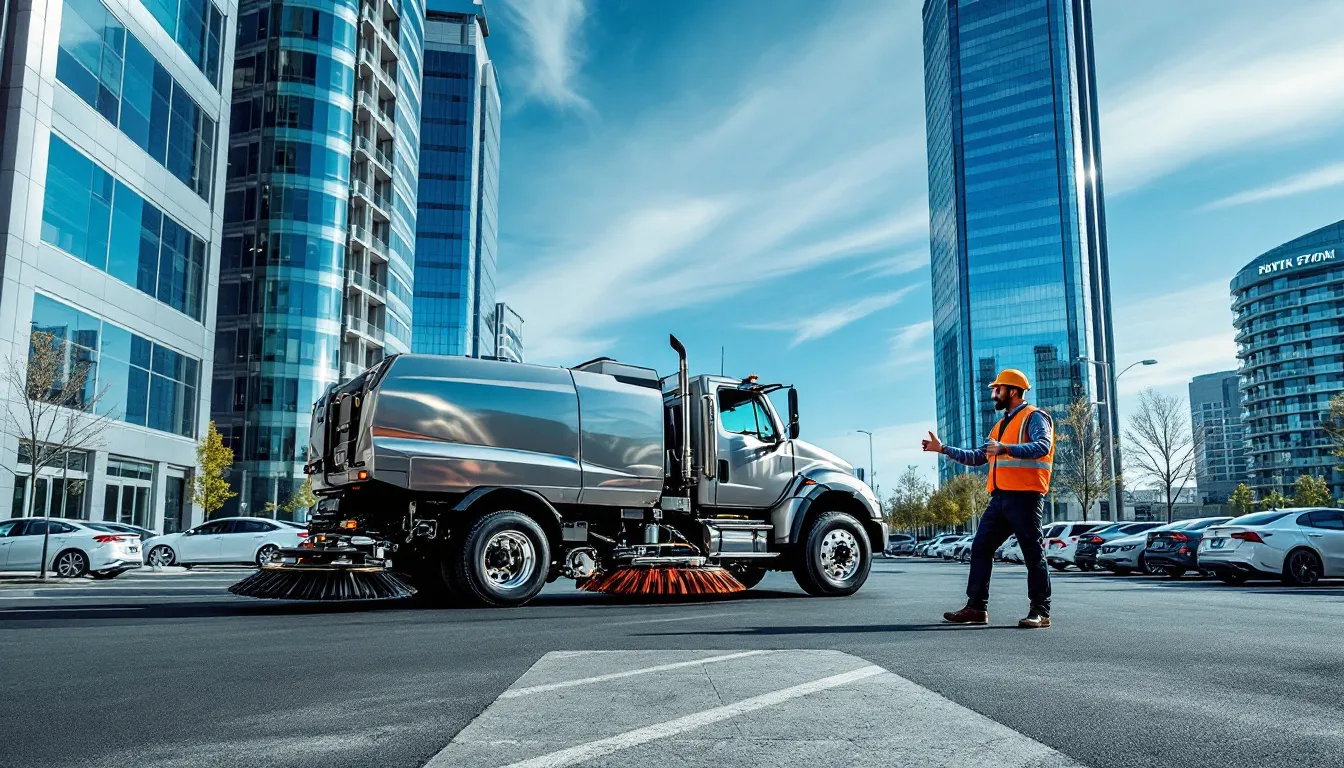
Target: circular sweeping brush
<point x="664" y="580"/>
<point x="324" y="584"/>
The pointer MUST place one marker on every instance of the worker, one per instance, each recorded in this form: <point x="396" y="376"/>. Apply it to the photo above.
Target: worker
<point x="1019" y="451"/>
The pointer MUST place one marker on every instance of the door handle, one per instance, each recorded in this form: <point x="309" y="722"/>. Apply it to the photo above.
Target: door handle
<point x="1316" y="535"/>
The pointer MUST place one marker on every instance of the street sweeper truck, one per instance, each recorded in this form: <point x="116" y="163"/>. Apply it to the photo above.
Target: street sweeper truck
<point x="481" y="481"/>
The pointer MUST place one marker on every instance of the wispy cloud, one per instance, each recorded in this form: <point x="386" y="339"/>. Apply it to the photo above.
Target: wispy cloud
<point x="746" y="188"/>
<point x="1188" y="331"/>
<point x="553" y="47"/>
<point x="912" y="345"/>
<point x="830" y="320"/>
<point x="892" y="266"/>
<point x="1311" y="181"/>
<point x="895" y="447"/>
<point x="1284" y="82"/>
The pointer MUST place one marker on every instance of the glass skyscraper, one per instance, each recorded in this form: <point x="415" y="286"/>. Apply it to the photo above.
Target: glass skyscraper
<point x="319" y="220"/>
<point x="1215" y="418"/>
<point x="111" y="183"/>
<point x="1289" y="306"/>
<point x="1017" y="223"/>
<point x="459" y="186"/>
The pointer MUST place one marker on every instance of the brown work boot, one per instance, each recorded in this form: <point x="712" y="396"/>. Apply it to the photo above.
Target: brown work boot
<point x="1034" y="620"/>
<point x="967" y="615"/>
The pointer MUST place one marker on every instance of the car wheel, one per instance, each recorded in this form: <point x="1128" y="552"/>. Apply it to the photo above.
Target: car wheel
<point x="748" y="575"/>
<point x="1174" y="573"/>
<point x="1151" y="570"/>
<point x="1232" y="579"/>
<point x="502" y="561"/>
<point x="266" y="554"/>
<point x="1086" y="566"/>
<point x="834" y="557"/>
<point x="71" y="564"/>
<point x="106" y="575"/>
<point x="1302" y="568"/>
<point x="161" y="555"/>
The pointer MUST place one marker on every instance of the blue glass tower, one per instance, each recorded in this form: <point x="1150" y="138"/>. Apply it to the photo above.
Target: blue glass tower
<point x="459" y="189"/>
<point x="1017" y="221"/>
<point x="319" y="220"/>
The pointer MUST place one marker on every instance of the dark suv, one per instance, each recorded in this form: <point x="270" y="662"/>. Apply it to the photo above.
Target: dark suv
<point x="1176" y="551"/>
<point x="1085" y="557"/>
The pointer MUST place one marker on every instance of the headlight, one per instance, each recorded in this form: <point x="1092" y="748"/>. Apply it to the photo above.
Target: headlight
<point x="1128" y="547"/>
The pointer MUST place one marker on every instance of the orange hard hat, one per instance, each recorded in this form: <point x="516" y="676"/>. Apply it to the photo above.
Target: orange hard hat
<point x="1011" y="377"/>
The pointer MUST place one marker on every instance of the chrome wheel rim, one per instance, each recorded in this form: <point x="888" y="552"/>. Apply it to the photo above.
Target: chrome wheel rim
<point x="69" y="564"/>
<point x="509" y="560"/>
<point x="158" y="556"/>
<point x="839" y="555"/>
<point x="1304" y="568"/>
<point x="267" y="554"/>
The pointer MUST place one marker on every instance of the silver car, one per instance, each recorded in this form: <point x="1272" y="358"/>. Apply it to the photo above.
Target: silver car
<point x="1126" y="555"/>
<point x="1300" y="546"/>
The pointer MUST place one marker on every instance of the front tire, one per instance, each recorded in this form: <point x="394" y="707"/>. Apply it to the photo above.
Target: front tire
<point x="71" y="564"/>
<point x="835" y="557"/>
<point x="503" y="560"/>
<point x="1302" y="568"/>
<point x="161" y="556"/>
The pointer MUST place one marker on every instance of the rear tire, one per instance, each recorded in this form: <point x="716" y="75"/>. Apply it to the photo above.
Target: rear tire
<point x="834" y="558"/>
<point x="502" y="561"/>
<point x="1151" y="570"/>
<point x="70" y="564"/>
<point x="266" y="553"/>
<point x="1302" y="568"/>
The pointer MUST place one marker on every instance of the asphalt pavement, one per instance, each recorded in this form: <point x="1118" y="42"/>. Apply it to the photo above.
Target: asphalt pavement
<point x="170" y="670"/>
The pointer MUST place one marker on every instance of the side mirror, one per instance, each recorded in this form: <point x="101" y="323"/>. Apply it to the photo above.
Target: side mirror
<point x="793" y="413"/>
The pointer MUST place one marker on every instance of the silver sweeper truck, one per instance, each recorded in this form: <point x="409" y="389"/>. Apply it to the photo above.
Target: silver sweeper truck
<point x="483" y="480"/>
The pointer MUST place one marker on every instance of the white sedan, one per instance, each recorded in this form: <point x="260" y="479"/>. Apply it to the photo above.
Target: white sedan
<point x="74" y="548"/>
<point x="228" y="540"/>
<point x="1300" y="546"/>
<point x="1125" y="555"/>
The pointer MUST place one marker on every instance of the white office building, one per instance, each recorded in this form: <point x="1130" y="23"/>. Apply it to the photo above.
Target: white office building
<point x="111" y="181"/>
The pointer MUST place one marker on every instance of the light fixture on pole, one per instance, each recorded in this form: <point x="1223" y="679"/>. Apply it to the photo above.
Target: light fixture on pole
<point x="1117" y="511"/>
<point x="872" y="476"/>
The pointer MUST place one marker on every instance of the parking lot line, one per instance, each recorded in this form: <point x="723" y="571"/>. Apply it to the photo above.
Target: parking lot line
<point x="517" y="692"/>
<point x="593" y="749"/>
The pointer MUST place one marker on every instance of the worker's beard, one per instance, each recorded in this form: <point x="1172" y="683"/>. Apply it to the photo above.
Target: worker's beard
<point x="1000" y="404"/>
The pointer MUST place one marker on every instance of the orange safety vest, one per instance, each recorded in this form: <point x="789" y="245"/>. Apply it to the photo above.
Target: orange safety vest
<point x="1009" y="474"/>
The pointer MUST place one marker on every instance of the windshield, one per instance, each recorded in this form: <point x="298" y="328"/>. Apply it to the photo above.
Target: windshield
<point x="1199" y="525"/>
<point x="1259" y="518"/>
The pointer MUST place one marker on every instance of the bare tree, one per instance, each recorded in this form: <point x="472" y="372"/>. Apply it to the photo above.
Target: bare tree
<point x="1161" y="445"/>
<point x="53" y="409"/>
<point x="1080" y="458"/>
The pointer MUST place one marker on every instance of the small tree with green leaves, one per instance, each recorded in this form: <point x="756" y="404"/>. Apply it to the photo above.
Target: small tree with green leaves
<point x="1081" y="467"/>
<point x="302" y="498"/>
<point x="944" y="510"/>
<point x="1311" y="492"/>
<point x="907" y="507"/>
<point x="213" y="460"/>
<point x="970" y="496"/>
<point x="1242" y="500"/>
<point x="1275" y="500"/>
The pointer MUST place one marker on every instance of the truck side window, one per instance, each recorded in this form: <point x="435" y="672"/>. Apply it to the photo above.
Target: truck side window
<point x="742" y="413"/>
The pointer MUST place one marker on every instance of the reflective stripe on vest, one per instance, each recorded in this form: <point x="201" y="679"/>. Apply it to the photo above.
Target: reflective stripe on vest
<point x="1007" y="473"/>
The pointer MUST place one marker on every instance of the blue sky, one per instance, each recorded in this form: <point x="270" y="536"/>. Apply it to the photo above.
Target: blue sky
<point x="751" y="175"/>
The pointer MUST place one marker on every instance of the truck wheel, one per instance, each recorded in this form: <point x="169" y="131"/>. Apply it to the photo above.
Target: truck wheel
<point x="503" y="560"/>
<point x="749" y="575"/>
<point x="834" y="558"/>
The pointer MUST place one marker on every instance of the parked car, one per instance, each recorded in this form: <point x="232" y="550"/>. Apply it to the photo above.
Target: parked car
<point x="935" y="547"/>
<point x="74" y="548"/>
<point x="947" y="549"/>
<point x="1085" y="555"/>
<point x="1062" y="541"/>
<point x="1012" y="551"/>
<point x="1300" y="546"/>
<point x="961" y="549"/>
<point x="237" y="540"/>
<point x="145" y="534"/>
<point x="1001" y="554"/>
<point x="1176" y="550"/>
<point x="900" y="544"/>
<point x="1126" y="555"/>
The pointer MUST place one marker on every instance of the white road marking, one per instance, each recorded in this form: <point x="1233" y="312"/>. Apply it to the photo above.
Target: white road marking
<point x="664" y="621"/>
<point x="583" y="752"/>
<point x="514" y="693"/>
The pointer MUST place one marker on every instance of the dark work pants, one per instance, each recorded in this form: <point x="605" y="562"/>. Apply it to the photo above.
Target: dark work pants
<point x="1010" y="513"/>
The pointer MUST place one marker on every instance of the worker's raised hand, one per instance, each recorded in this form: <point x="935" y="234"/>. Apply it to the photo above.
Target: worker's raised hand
<point x="932" y="445"/>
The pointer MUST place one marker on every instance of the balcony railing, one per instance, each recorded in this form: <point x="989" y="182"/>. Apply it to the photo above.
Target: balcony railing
<point x="364" y="328"/>
<point x="366" y="283"/>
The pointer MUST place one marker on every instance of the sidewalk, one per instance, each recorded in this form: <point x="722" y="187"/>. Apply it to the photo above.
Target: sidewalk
<point x="29" y="578"/>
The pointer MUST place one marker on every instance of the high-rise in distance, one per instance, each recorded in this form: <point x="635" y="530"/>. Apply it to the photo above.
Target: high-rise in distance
<point x="316" y="272"/>
<point x="1215" y="419"/>
<point x="456" y="226"/>
<point x="1017" y="221"/>
<point x="111" y="182"/>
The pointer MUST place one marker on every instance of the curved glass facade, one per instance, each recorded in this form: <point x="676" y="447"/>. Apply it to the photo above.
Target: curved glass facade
<point x="322" y="159"/>
<point x="1017" y="225"/>
<point x="1289" y="307"/>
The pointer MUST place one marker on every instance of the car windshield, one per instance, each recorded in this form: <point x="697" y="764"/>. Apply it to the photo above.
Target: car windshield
<point x="1259" y="518"/>
<point x="1199" y="525"/>
<point x="104" y="527"/>
<point x="1107" y="528"/>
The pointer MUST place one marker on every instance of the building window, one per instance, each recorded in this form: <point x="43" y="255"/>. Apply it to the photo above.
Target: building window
<point x="120" y="232"/>
<point x="60" y="486"/>
<point x="143" y="383"/>
<point x="126" y="497"/>
<point x="176" y="498"/>
<point x="110" y="69"/>
<point x="197" y="26"/>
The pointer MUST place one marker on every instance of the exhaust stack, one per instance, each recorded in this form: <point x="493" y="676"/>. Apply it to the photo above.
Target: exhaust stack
<point x="684" y="391"/>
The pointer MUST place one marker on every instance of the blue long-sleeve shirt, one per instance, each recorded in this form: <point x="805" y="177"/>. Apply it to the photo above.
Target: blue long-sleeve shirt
<point x="1040" y="436"/>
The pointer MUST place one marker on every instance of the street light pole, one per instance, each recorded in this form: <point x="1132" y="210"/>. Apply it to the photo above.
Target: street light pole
<point x="1117" y="510"/>
<point x="872" y="476"/>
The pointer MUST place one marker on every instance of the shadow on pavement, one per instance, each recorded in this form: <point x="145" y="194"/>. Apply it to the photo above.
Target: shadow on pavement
<point x="836" y="630"/>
